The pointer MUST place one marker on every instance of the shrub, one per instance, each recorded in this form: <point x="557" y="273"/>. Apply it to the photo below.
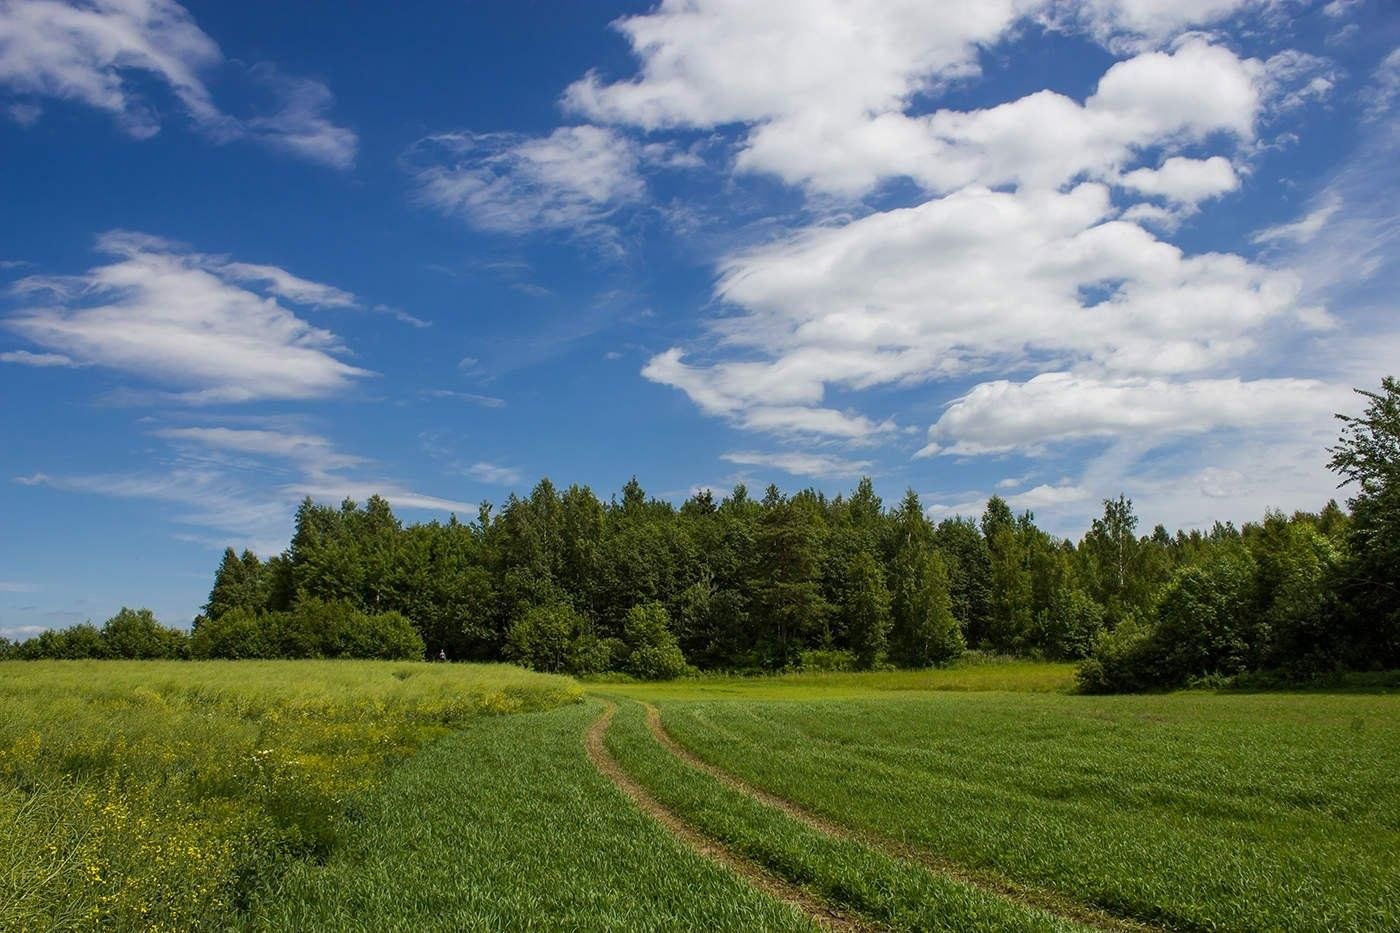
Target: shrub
<point x="386" y="636"/>
<point x="238" y="634"/>
<point x="817" y="660"/>
<point x="1069" y="626"/>
<point x="135" y="633"/>
<point x="653" y="653"/>
<point x="1123" y="661"/>
<point x="544" y="637"/>
<point x="1206" y="623"/>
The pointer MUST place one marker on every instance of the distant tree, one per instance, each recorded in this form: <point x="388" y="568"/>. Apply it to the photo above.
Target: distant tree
<point x="1367" y="455"/>
<point x="239" y="583"/>
<point x="1111" y="548"/>
<point x="969" y="564"/>
<point x="865" y="609"/>
<point x="924" y="629"/>
<point x="1011" y="592"/>
<point x="1069" y="627"/>
<point x="789" y="604"/>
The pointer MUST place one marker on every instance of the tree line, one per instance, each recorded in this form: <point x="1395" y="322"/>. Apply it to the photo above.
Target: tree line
<point x="561" y="580"/>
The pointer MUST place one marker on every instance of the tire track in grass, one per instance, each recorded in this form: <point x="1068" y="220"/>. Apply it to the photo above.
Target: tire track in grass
<point x="1063" y="907"/>
<point x="815" y="910"/>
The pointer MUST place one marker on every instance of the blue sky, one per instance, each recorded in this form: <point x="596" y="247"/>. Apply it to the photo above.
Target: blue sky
<point x="1050" y="250"/>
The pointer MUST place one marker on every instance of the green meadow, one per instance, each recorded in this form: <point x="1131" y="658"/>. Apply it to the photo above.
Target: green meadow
<point x="295" y="795"/>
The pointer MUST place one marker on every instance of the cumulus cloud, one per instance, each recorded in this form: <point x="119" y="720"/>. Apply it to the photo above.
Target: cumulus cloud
<point x="101" y="52"/>
<point x="1041" y="140"/>
<point x="1185" y="181"/>
<point x="825" y="87"/>
<point x="213" y="328"/>
<point x="572" y="180"/>
<point x="800" y="464"/>
<point x="1000" y="416"/>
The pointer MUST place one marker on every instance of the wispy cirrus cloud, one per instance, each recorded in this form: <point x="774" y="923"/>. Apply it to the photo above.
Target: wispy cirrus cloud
<point x="571" y="181"/>
<point x="212" y="328"/>
<point x="100" y="53"/>
<point x="249" y="502"/>
<point x="799" y="463"/>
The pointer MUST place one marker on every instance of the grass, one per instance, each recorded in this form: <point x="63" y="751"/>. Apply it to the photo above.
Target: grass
<point x="1195" y="810"/>
<point x="507" y="826"/>
<point x="163" y="794"/>
<point x="380" y="795"/>
<point x="843" y="872"/>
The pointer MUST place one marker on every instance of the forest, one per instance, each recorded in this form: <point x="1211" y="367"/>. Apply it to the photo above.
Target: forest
<point x="563" y="581"/>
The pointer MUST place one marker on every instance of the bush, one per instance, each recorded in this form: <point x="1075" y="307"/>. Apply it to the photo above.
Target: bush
<point x="135" y="633"/>
<point x="313" y="629"/>
<point x="828" y="661"/>
<point x="1123" y="661"/>
<point x="653" y="653"/>
<point x="544" y="638"/>
<point x="386" y="636"/>
<point x="78" y="643"/>
<point x="239" y="634"/>
<point x="1206" y="623"/>
<point x="1069" y="626"/>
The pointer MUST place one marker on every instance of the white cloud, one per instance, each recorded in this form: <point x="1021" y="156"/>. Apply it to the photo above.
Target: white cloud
<point x="494" y="474"/>
<point x="1185" y="181"/>
<point x="25" y="114"/>
<point x="825" y="87"/>
<point x="184" y="319"/>
<point x="300" y="125"/>
<point x="1128" y="24"/>
<point x="485" y="401"/>
<point x="10" y="586"/>
<point x="976" y="281"/>
<point x="573" y="180"/>
<point x="25" y="358"/>
<point x="1001" y="416"/>
<point x="800" y="464"/>
<point x="101" y="52"/>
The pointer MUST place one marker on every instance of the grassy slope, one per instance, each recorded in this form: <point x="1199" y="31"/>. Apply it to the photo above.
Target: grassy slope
<point x="506" y="825"/>
<point x="138" y="794"/>
<point x="1197" y="809"/>
<point x="840" y="871"/>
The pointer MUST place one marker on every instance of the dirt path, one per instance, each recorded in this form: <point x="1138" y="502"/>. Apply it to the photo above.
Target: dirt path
<point x="1047" y="901"/>
<point x="818" y="912"/>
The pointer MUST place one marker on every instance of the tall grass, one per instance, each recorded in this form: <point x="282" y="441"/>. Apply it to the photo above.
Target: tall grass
<point x="163" y="794"/>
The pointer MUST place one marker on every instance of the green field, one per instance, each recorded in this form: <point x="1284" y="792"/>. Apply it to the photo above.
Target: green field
<point x="380" y="795"/>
